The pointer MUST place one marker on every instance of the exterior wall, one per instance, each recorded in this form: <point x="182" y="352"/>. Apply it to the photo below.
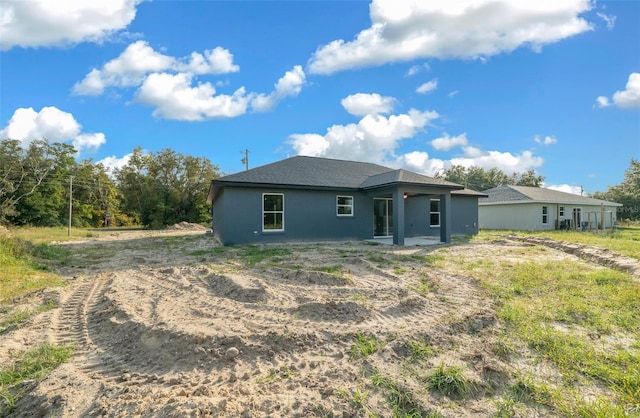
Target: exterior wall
<point x="528" y="216"/>
<point x="308" y="216"/>
<point x="464" y="215"/>
<point x="311" y="216"/>
<point x="416" y="211"/>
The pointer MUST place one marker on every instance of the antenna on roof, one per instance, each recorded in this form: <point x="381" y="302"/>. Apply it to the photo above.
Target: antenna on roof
<point x="245" y="160"/>
<point x="581" y="190"/>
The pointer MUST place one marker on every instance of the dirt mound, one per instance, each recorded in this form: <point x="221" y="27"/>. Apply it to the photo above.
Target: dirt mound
<point x="187" y="226"/>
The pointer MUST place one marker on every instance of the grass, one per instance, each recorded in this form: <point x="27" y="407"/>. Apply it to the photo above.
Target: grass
<point x="337" y="270"/>
<point x="250" y="255"/>
<point x="365" y="345"/>
<point x="420" y="350"/>
<point x="284" y="372"/>
<point x="424" y="285"/>
<point x="580" y="319"/>
<point x="401" y="400"/>
<point x="32" y="365"/>
<point x="16" y="318"/>
<point x="23" y="271"/>
<point x="624" y="240"/>
<point x="450" y="381"/>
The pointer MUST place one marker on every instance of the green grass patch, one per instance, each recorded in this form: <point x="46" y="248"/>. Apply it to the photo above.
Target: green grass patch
<point x="624" y="240"/>
<point x="430" y="260"/>
<point x="450" y="381"/>
<point x="582" y="320"/>
<point x="254" y="254"/>
<point x="22" y="271"/>
<point x="32" y="365"/>
<point x="424" y="285"/>
<point x="337" y="270"/>
<point x="210" y="251"/>
<point x="16" y="318"/>
<point x="365" y="345"/>
<point x="420" y="350"/>
<point x="401" y="401"/>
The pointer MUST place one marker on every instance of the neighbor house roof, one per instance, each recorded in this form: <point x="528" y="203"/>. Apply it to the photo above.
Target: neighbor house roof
<point x="325" y="173"/>
<point x="505" y="195"/>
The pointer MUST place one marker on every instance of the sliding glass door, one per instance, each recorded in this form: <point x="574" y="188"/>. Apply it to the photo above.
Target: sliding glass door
<point x="382" y="217"/>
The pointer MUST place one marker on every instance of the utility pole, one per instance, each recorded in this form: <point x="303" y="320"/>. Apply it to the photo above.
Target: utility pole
<point x="70" y="203"/>
<point x="245" y="160"/>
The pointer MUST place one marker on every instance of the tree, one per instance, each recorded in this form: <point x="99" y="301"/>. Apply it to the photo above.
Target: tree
<point x="476" y="178"/>
<point x="94" y="195"/>
<point x="31" y="188"/>
<point x="528" y="178"/>
<point x="627" y="193"/>
<point x="166" y="187"/>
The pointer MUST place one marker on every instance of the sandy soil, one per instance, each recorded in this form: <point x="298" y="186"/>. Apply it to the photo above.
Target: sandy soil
<point x="165" y="325"/>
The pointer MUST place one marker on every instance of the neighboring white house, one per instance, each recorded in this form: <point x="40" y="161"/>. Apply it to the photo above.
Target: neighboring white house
<point x="539" y="209"/>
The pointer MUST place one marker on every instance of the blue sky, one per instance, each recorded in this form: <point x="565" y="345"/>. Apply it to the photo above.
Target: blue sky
<point x="552" y="86"/>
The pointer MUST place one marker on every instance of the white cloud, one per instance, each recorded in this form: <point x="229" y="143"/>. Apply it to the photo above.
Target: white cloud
<point x="52" y="124"/>
<point x="175" y="98"/>
<point x="453" y="93"/>
<point x="505" y="161"/>
<point x="603" y="101"/>
<point x="217" y="61"/>
<point x="404" y="30"/>
<point x="610" y="20"/>
<point x="290" y="84"/>
<point x="38" y="23"/>
<point x="547" y="140"/>
<point x="374" y="138"/>
<point x="361" y="104"/>
<point x="415" y="69"/>
<point x="139" y="59"/>
<point x="564" y="188"/>
<point x="421" y="162"/>
<point x="428" y="87"/>
<point x="630" y="96"/>
<point x="89" y="141"/>
<point x="447" y="142"/>
<point x="169" y="83"/>
<point x="112" y="163"/>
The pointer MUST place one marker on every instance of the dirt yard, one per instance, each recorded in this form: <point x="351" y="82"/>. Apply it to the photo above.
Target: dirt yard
<point x="170" y="324"/>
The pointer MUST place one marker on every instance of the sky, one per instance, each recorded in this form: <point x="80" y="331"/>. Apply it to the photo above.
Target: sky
<point x="545" y="85"/>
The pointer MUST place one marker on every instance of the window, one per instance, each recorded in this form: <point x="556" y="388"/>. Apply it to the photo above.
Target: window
<point x="272" y="212"/>
<point x="434" y="212"/>
<point x="544" y="215"/>
<point x="561" y="211"/>
<point x="344" y="206"/>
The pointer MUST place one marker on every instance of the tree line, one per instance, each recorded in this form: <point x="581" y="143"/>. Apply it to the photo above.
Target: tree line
<point x="153" y="189"/>
<point x="163" y="188"/>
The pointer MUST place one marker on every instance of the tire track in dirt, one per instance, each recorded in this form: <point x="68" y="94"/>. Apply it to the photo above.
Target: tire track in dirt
<point x="602" y="256"/>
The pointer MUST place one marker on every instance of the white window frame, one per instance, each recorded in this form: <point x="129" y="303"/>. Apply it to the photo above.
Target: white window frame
<point x="272" y="211"/>
<point x="434" y="213"/>
<point x="338" y="206"/>
<point x="545" y="215"/>
<point x="561" y="211"/>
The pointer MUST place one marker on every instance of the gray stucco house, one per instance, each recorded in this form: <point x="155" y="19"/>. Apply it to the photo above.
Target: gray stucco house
<point x="321" y="199"/>
<point x="539" y="209"/>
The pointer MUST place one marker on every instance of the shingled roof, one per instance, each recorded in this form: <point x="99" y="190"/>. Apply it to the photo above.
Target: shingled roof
<point x="525" y="194"/>
<point x="326" y="173"/>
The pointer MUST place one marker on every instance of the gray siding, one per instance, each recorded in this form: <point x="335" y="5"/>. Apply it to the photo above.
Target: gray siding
<point x="464" y="215"/>
<point x="308" y="216"/>
<point x="311" y="216"/>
